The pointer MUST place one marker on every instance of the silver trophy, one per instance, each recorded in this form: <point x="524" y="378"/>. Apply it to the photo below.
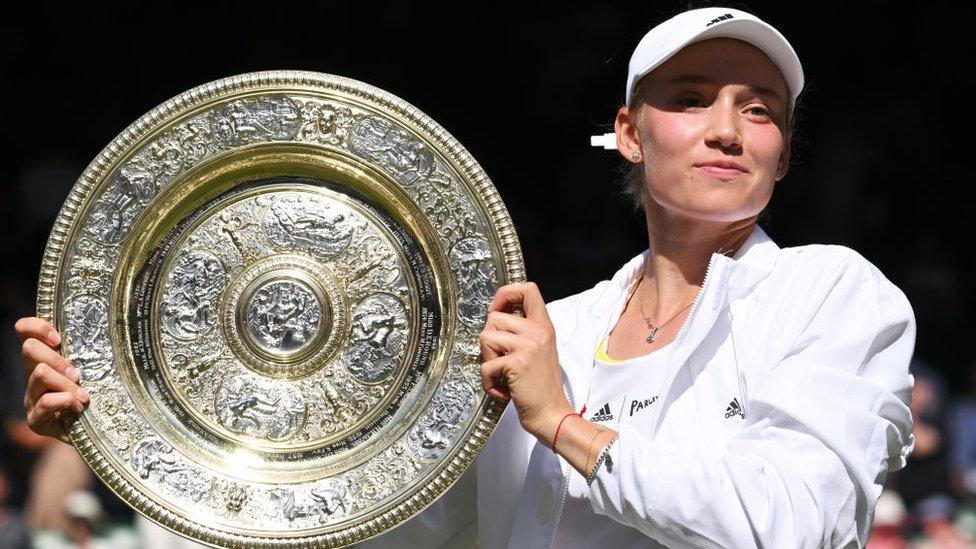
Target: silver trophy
<point x="273" y="285"/>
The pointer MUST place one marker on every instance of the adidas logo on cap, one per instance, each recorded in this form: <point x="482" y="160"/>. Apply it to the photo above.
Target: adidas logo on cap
<point x="719" y="18"/>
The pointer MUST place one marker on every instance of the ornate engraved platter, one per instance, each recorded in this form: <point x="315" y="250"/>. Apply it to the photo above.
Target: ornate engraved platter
<point x="272" y="285"/>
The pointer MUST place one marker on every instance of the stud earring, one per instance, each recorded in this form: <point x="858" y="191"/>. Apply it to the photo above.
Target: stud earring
<point x="635" y="155"/>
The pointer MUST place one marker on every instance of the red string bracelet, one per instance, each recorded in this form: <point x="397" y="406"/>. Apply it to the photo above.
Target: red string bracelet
<point x="560" y="426"/>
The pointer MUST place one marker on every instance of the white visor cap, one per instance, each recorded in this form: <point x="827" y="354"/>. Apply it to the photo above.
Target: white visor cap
<point x="668" y="38"/>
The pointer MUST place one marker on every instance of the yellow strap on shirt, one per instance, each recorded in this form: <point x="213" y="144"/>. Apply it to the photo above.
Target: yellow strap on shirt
<point x="601" y="353"/>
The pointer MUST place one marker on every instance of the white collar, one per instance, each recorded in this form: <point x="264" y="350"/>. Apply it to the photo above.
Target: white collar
<point x="755" y="259"/>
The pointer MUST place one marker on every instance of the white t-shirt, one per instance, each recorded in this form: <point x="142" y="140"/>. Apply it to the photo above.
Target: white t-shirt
<point x="623" y="391"/>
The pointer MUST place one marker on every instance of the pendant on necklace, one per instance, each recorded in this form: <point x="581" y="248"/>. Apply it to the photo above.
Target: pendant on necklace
<point x="653" y="333"/>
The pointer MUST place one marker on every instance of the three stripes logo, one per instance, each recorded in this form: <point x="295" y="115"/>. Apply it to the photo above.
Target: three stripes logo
<point x="734" y="409"/>
<point x="719" y="18"/>
<point x="603" y="414"/>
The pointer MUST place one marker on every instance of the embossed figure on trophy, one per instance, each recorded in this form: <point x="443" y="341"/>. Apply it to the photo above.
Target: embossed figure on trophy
<point x="452" y="405"/>
<point x="325" y="122"/>
<point x="154" y="459"/>
<point x="132" y="188"/>
<point x="243" y="121"/>
<point x="471" y="259"/>
<point x="237" y="497"/>
<point x="433" y="439"/>
<point x="231" y="227"/>
<point x="152" y="456"/>
<point x="283" y="315"/>
<point x="331" y="499"/>
<point x="86" y="318"/>
<point x="340" y="410"/>
<point x="260" y="409"/>
<point x="192" y="368"/>
<point x="324" y="502"/>
<point x="378" y="140"/>
<point x="376" y="260"/>
<point x="251" y="409"/>
<point x="376" y="338"/>
<point x="189" y="369"/>
<point x="373" y="329"/>
<point x="189" y="309"/>
<point x="319" y="227"/>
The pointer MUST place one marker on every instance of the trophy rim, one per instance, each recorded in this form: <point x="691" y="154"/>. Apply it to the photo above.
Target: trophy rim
<point x="106" y="161"/>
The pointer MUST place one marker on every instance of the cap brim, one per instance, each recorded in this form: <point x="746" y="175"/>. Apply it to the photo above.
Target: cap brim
<point x="757" y="33"/>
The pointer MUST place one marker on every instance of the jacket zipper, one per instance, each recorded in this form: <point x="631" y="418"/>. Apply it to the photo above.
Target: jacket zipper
<point x="679" y="339"/>
<point x="694" y="304"/>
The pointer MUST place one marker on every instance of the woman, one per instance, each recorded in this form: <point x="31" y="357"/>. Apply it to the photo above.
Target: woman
<point x="718" y="390"/>
<point x="756" y="396"/>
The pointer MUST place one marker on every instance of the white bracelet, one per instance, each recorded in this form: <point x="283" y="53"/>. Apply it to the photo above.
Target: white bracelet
<point x="603" y="457"/>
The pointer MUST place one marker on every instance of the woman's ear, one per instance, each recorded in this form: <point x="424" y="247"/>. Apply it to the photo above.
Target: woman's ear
<point x="783" y="164"/>
<point x="628" y="140"/>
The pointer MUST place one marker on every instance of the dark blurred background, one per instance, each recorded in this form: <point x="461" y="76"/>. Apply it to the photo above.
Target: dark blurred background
<point x="879" y="164"/>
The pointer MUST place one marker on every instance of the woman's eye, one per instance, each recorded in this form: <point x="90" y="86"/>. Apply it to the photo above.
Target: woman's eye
<point x="690" y="101"/>
<point x="758" y="111"/>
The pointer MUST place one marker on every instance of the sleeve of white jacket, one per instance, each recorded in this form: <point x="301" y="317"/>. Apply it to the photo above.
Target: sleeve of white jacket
<point x="825" y="426"/>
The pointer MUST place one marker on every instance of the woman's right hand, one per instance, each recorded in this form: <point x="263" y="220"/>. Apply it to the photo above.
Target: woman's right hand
<point x="52" y="382"/>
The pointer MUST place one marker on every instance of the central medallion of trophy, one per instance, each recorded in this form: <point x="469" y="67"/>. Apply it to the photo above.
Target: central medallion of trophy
<point x="282" y="314"/>
<point x="282" y="317"/>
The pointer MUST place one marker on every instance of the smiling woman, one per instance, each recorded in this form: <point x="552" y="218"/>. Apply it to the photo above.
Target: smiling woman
<point x="720" y="106"/>
<point x="701" y="418"/>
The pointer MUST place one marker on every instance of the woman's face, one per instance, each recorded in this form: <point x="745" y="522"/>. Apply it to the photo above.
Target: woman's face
<point x="709" y="124"/>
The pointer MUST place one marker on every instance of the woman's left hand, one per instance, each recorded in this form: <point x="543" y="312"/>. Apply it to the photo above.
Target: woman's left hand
<point x="521" y="353"/>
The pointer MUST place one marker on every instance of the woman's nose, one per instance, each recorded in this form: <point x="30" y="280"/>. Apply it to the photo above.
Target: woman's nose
<point x="723" y="128"/>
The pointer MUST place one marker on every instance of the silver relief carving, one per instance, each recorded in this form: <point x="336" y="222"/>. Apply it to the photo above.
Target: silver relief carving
<point x="321" y="503"/>
<point x="302" y="222"/>
<point x="269" y="118"/>
<point x="378" y="140"/>
<point x="87" y="321"/>
<point x="260" y="408"/>
<point x="189" y="308"/>
<point x="378" y="338"/>
<point x="237" y="497"/>
<point x="325" y="122"/>
<point x="190" y="369"/>
<point x="155" y="460"/>
<point x="452" y="405"/>
<point x="381" y="476"/>
<point x="179" y="149"/>
<point x="283" y="315"/>
<point x="471" y="259"/>
<point x="111" y="217"/>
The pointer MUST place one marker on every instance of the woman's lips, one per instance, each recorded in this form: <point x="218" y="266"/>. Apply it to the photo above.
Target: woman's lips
<point x="724" y="171"/>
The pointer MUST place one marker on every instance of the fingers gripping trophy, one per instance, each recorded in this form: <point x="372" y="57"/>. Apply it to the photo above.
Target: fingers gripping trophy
<point x="259" y="309"/>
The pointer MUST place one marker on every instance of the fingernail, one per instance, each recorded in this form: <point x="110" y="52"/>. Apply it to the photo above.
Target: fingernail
<point x="53" y="337"/>
<point x="84" y="395"/>
<point x="71" y="373"/>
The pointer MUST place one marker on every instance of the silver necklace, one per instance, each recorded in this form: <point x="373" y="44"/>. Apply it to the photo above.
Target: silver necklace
<point x="650" y="325"/>
<point x="653" y="330"/>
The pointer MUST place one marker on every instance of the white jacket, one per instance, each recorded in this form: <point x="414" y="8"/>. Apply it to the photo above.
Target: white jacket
<point x="813" y="341"/>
